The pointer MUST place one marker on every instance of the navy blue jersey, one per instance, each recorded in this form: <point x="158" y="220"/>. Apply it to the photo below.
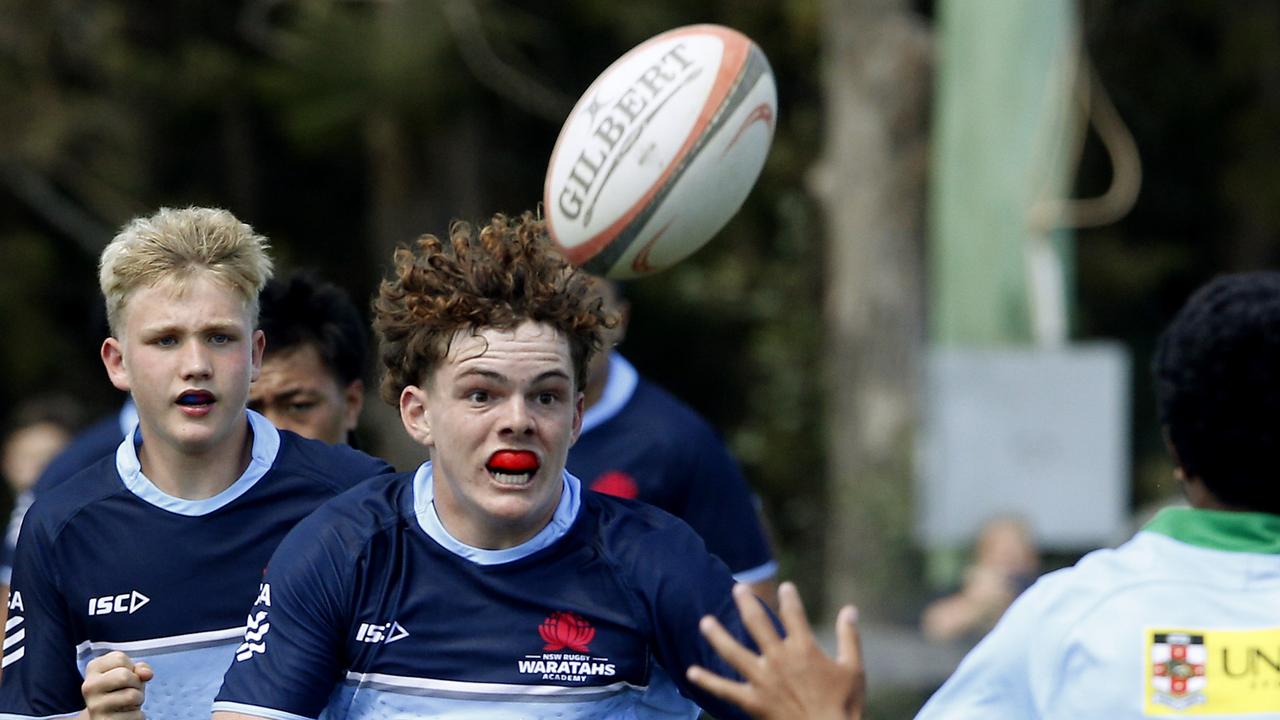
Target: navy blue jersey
<point x="638" y="441"/>
<point x="87" y="447"/>
<point x="372" y="611"/>
<point x="107" y="561"/>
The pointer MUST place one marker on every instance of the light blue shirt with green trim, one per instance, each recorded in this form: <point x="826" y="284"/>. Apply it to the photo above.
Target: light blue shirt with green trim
<point x="1181" y="621"/>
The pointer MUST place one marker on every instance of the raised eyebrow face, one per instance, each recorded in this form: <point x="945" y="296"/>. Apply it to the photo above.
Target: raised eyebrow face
<point x="501" y="379"/>
<point x="552" y="375"/>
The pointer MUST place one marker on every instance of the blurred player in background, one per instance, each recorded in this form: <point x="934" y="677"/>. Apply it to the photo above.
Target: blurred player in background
<point x="36" y="433"/>
<point x="87" y="446"/>
<point x="488" y="583"/>
<point x="1005" y="563"/>
<point x="1186" y="615"/>
<point x="37" y="430"/>
<point x="640" y="442"/>
<point x="79" y="452"/>
<point x="146" y="559"/>
<point x="312" y="379"/>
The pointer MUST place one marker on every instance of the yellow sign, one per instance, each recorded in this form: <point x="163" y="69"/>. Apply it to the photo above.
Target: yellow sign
<point x="1212" y="672"/>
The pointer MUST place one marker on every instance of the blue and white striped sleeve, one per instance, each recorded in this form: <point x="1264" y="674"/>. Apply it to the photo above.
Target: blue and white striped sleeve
<point x="41" y="678"/>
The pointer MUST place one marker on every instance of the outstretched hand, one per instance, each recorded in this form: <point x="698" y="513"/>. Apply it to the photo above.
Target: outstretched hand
<point x="791" y="678"/>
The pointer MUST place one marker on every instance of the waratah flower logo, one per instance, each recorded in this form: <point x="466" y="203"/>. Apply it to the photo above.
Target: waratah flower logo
<point x="566" y="630"/>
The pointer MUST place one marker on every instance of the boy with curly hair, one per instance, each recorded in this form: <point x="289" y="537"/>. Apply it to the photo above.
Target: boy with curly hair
<point x="487" y="583"/>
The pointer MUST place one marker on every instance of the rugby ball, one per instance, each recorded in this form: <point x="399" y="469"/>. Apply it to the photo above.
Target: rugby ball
<point x="661" y="151"/>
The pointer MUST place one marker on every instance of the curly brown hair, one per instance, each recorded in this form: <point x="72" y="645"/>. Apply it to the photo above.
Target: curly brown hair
<point x="503" y="275"/>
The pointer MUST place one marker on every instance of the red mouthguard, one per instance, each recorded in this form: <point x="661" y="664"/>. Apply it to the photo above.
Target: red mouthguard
<point x="514" y="461"/>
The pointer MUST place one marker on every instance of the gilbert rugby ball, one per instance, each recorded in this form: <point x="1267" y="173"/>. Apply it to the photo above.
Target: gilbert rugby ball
<point x="661" y="151"/>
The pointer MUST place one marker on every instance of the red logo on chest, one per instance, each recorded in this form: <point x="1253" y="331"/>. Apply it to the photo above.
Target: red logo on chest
<point x="566" y="630"/>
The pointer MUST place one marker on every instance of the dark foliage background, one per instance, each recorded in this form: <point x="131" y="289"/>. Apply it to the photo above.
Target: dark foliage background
<point x="342" y="128"/>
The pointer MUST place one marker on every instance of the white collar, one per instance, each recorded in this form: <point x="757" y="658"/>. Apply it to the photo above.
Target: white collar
<point x="266" y="445"/>
<point x="424" y="507"/>
<point x="618" y="390"/>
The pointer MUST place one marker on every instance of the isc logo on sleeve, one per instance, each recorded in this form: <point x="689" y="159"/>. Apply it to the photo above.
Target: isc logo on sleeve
<point x="128" y="602"/>
<point x="1212" y="672"/>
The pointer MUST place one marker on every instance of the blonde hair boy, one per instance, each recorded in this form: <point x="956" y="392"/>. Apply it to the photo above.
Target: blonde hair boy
<point x="177" y="243"/>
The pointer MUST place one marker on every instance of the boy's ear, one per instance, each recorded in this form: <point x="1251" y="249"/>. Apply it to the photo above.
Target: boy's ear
<point x="259" y="340"/>
<point x="112" y="353"/>
<point x="413" y="413"/>
<point x="579" y="408"/>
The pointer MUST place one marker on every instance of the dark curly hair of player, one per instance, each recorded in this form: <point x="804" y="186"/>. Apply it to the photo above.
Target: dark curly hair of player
<point x="1217" y="372"/>
<point x="500" y="276"/>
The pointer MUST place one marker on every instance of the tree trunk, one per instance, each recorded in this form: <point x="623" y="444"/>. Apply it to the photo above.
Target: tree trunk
<point x="870" y="181"/>
<point x="413" y="192"/>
